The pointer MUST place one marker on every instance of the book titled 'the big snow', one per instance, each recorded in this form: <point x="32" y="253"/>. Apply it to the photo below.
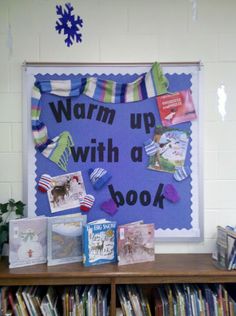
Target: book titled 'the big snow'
<point x="99" y="242"/>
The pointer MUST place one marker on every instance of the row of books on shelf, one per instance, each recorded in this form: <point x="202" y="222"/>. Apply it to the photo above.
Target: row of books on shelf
<point x="226" y="247"/>
<point x="69" y="238"/>
<point x="177" y="300"/>
<point x="193" y="300"/>
<point x="132" y="300"/>
<point x="89" y="300"/>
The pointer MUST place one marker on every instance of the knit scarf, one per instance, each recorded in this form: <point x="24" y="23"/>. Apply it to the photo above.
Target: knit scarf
<point x="58" y="149"/>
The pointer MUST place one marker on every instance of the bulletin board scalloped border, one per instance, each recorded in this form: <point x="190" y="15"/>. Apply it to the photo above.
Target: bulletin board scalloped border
<point x="29" y="70"/>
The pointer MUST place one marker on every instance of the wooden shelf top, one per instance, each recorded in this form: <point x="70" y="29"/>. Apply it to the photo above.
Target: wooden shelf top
<point x="167" y="268"/>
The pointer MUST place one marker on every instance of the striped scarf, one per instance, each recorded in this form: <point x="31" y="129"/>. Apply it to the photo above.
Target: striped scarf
<point x="58" y="150"/>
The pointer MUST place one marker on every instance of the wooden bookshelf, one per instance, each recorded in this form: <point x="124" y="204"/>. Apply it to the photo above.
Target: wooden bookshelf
<point x="167" y="268"/>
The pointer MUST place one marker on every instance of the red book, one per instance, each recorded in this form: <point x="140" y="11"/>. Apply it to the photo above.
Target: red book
<point x="13" y="303"/>
<point x="158" y="304"/>
<point x="176" y="108"/>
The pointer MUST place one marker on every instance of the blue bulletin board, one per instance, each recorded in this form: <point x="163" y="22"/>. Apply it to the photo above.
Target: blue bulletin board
<point x="111" y="136"/>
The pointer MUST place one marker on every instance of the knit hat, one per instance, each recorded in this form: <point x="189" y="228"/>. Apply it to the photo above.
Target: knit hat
<point x="150" y="147"/>
<point x="87" y="202"/>
<point x="45" y="183"/>
<point x="99" y="177"/>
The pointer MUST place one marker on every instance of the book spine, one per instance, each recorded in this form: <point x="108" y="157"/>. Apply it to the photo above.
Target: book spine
<point x="85" y="246"/>
<point x="21" y="302"/>
<point x="12" y="303"/>
<point x="27" y="303"/>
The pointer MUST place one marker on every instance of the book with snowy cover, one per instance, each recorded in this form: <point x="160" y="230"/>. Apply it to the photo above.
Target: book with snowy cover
<point x="27" y="241"/>
<point x="99" y="242"/>
<point x="172" y="145"/>
<point x="67" y="192"/>
<point x="65" y="239"/>
<point x="135" y="243"/>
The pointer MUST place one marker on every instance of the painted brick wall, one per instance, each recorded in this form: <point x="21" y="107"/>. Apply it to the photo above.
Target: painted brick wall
<point x="130" y="31"/>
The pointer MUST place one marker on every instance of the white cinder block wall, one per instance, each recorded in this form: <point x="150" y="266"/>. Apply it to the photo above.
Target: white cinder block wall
<point x="130" y="31"/>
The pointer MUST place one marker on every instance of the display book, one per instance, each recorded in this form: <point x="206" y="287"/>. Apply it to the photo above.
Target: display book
<point x="226" y="247"/>
<point x="99" y="242"/>
<point x="135" y="243"/>
<point x="37" y="240"/>
<point x="65" y="239"/>
<point x="27" y="241"/>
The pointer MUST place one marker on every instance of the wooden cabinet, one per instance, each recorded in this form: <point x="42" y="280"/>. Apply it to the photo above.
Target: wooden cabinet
<point x="167" y="268"/>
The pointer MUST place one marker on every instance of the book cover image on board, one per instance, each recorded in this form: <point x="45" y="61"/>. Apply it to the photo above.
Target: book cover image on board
<point x="172" y="145"/>
<point x="67" y="192"/>
<point x="176" y="107"/>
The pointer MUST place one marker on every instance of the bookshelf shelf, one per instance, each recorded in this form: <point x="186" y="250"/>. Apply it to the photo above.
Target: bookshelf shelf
<point x="167" y="268"/>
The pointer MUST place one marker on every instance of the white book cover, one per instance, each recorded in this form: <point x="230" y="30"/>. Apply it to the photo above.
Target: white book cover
<point x="27" y="241"/>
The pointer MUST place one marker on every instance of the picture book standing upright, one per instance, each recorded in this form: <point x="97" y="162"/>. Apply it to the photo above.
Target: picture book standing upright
<point x="28" y="241"/>
<point x="135" y="243"/>
<point x="65" y="238"/>
<point x="99" y="242"/>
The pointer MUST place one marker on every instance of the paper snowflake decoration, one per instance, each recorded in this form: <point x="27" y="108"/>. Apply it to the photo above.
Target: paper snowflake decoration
<point x="69" y="24"/>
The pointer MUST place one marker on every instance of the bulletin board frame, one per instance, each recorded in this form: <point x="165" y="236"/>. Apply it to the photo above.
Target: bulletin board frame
<point x="30" y="69"/>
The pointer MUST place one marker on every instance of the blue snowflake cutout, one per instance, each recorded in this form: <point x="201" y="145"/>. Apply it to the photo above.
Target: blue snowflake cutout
<point x="68" y="23"/>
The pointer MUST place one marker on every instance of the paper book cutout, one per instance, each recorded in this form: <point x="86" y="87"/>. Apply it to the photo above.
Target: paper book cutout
<point x="135" y="243"/>
<point x="65" y="239"/>
<point x="99" y="242"/>
<point x="176" y="108"/>
<point x="172" y="150"/>
<point x="28" y="241"/>
<point x="67" y="192"/>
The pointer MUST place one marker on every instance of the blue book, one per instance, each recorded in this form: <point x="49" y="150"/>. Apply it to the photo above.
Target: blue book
<point x="105" y="302"/>
<point x="187" y="298"/>
<point x="231" y="248"/>
<point x="210" y="300"/>
<point x="164" y="300"/>
<point x="99" y="242"/>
